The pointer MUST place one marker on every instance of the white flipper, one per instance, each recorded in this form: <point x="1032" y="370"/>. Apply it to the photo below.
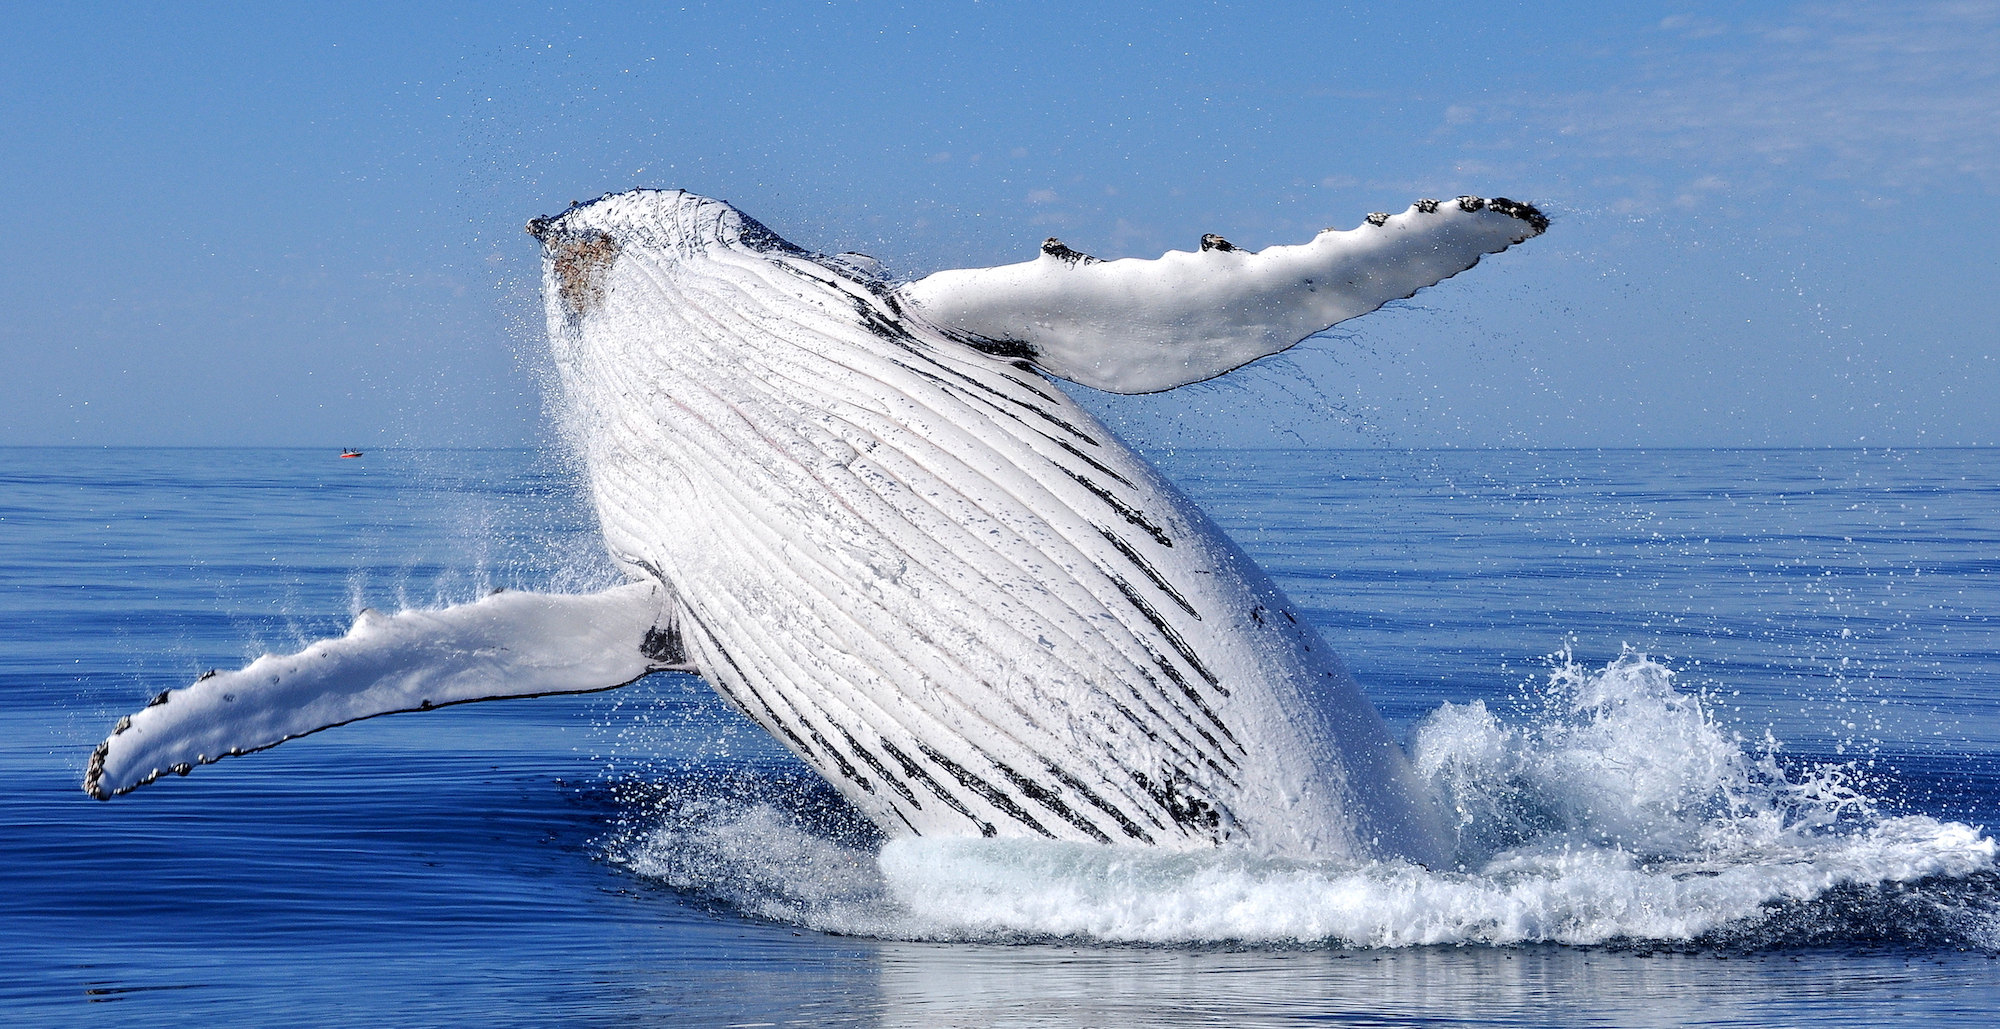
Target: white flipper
<point x="1133" y="326"/>
<point x="507" y="645"/>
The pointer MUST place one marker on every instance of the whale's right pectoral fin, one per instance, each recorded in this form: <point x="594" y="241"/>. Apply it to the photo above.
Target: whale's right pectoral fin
<point x="1132" y="326"/>
<point x="509" y="644"/>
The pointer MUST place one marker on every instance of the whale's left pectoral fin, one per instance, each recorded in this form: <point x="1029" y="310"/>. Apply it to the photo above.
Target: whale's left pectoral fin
<point x="1132" y="326"/>
<point x="509" y="644"/>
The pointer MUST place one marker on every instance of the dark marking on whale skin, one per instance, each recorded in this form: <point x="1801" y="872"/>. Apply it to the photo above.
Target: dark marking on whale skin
<point x="1471" y="204"/>
<point x="874" y="321"/>
<point x="903" y="818"/>
<point x="759" y="237"/>
<point x="1033" y="381"/>
<point x="994" y="406"/>
<point x="1050" y="799"/>
<point x="769" y="712"/>
<point x="1193" y="754"/>
<point x="664" y="645"/>
<point x="883" y="327"/>
<point x="1030" y="379"/>
<point x="1124" y="510"/>
<point x="1143" y="726"/>
<point x="1147" y="569"/>
<point x="1516" y="209"/>
<point x="1184" y="747"/>
<point x="974" y="382"/>
<point x="729" y="694"/>
<point x="1012" y="348"/>
<point x="1076" y="786"/>
<point x="159" y="698"/>
<point x="882" y="770"/>
<point x="891" y="329"/>
<point x="950" y="387"/>
<point x="836" y="277"/>
<point x="1093" y="462"/>
<point x="1056" y="249"/>
<point x="986" y="790"/>
<point x="1378" y="219"/>
<point x="1211" y="241"/>
<point x="1215" y="743"/>
<point x="917" y="772"/>
<point x="1039" y="410"/>
<point x="1174" y="638"/>
<point x="1173" y="792"/>
<point x="1427" y="206"/>
<point x="846" y="767"/>
<point x="1193" y="695"/>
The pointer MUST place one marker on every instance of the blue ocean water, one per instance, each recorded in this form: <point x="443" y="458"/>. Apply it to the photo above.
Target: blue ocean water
<point x="1723" y="729"/>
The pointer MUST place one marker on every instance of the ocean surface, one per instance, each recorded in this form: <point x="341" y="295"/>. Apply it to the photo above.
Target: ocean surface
<point x="1720" y="731"/>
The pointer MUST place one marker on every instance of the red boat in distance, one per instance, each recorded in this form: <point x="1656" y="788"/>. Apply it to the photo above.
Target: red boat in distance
<point x="350" y="452"/>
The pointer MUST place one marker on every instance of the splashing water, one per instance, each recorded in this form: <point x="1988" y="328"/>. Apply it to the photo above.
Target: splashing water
<point x="1620" y="810"/>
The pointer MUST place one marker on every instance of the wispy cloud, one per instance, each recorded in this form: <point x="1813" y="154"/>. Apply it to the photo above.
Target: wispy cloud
<point x="1877" y="96"/>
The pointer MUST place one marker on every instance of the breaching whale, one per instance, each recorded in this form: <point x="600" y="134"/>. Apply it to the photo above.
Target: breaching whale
<point x="865" y="514"/>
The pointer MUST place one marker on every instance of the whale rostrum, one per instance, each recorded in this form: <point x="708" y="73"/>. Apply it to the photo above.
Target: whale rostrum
<point x="867" y="516"/>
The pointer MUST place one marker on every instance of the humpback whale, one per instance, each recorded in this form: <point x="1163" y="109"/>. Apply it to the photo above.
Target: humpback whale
<point x="863" y="511"/>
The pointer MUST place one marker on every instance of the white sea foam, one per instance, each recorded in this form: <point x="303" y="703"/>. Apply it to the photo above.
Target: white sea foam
<point x="1619" y="810"/>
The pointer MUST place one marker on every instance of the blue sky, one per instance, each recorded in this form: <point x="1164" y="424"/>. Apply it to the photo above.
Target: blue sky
<point x="1774" y="224"/>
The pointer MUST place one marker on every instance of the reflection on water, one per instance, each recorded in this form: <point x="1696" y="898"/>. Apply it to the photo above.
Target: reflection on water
<point x="945" y="985"/>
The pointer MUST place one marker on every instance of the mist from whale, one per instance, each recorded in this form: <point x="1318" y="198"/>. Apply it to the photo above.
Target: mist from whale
<point x="863" y="512"/>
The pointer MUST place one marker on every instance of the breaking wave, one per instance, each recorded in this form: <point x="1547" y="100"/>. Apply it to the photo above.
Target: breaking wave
<point x="1618" y="810"/>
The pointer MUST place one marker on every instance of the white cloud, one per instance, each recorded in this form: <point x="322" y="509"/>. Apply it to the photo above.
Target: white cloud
<point x="1879" y="96"/>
